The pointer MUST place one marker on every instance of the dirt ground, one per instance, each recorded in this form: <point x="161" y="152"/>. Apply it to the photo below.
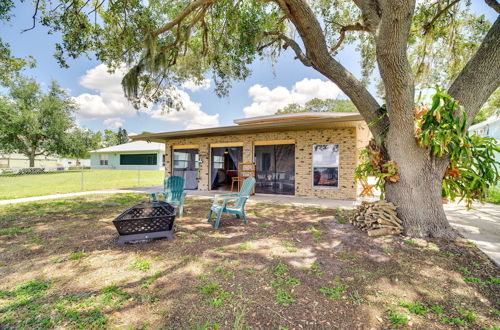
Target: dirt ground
<point x="289" y="268"/>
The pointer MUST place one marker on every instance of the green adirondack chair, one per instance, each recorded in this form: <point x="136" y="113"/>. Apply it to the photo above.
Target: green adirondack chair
<point x="174" y="193"/>
<point x="238" y="208"/>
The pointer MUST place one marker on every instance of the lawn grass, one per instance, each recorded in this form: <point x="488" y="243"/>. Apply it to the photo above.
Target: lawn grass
<point x="18" y="186"/>
<point x="494" y="195"/>
<point x="61" y="268"/>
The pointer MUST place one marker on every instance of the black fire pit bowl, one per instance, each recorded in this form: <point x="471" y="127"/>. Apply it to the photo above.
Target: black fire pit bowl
<point x="146" y="220"/>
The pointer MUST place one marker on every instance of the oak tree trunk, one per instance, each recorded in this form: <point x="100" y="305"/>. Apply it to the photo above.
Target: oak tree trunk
<point x="417" y="194"/>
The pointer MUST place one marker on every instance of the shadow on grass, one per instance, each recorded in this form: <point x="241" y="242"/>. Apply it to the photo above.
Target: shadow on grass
<point x="288" y="267"/>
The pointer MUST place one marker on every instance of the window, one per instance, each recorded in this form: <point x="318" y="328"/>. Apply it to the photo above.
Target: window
<point x="138" y="159"/>
<point x="103" y="159"/>
<point x="181" y="159"/>
<point x="326" y="165"/>
<point x="218" y="162"/>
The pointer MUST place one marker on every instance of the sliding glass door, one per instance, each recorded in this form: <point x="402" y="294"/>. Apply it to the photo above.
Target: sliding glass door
<point x="186" y="163"/>
<point x="224" y="166"/>
<point x="275" y="165"/>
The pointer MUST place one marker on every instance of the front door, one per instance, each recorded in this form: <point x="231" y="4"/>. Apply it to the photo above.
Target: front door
<point x="186" y="164"/>
<point x="275" y="167"/>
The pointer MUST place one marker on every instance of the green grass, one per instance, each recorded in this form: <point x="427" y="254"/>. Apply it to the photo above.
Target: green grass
<point x="142" y="264"/>
<point x="128" y="287"/>
<point x="316" y="269"/>
<point x="77" y="255"/>
<point x="216" y="295"/>
<point x="416" y="308"/>
<point x="342" y="221"/>
<point x="244" y="246"/>
<point x="397" y="320"/>
<point x="18" y="186"/>
<point x="472" y="279"/>
<point x="283" y="297"/>
<point x="494" y="195"/>
<point x="334" y="292"/>
<point x="148" y="281"/>
<point x="26" y="307"/>
<point x="281" y="283"/>
<point x="411" y="242"/>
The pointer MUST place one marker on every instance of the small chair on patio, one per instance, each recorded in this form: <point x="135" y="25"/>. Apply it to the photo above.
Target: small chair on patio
<point x="237" y="208"/>
<point x="367" y="189"/>
<point x="245" y="170"/>
<point x="174" y="193"/>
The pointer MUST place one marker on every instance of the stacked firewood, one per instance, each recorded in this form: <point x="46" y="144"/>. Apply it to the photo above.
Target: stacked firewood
<point x="377" y="218"/>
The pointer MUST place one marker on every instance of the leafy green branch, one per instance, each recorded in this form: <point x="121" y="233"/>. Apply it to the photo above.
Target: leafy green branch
<point x="472" y="166"/>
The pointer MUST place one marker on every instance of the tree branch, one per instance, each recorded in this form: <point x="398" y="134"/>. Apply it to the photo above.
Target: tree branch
<point x="188" y="10"/>
<point x="370" y="12"/>
<point x="343" y="30"/>
<point x="300" y="14"/>
<point x="428" y="26"/>
<point x="292" y="44"/>
<point x="493" y="4"/>
<point x="481" y="75"/>
<point x="395" y="70"/>
<point x="34" y="17"/>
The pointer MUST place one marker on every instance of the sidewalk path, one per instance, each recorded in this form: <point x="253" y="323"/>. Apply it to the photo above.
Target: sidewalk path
<point x="481" y="225"/>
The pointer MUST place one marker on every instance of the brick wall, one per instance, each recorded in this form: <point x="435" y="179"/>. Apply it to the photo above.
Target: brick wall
<point x="350" y="136"/>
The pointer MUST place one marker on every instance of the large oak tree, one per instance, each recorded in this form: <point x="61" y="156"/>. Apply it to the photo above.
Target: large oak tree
<point x="35" y="123"/>
<point x="410" y="45"/>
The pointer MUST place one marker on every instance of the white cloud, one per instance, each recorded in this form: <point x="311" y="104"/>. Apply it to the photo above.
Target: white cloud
<point x="191" y="114"/>
<point x="113" y="123"/>
<point x="109" y="102"/>
<point x="194" y="86"/>
<point x="267" y="101"/>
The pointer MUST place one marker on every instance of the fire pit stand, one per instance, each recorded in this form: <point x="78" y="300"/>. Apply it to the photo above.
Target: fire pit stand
<point x="146" y="220"/>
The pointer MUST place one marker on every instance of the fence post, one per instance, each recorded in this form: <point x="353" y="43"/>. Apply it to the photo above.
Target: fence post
<point x="81" y="181"/>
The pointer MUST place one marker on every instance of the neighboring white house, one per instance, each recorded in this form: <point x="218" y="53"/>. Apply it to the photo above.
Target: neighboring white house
<point x="489" y="127"/>
<point x="138" y="155"/>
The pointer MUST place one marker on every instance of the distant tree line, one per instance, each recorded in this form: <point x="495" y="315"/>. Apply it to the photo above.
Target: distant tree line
<point x="319" y="105"/>
<point x="490" y="108"/>
<point x="38" y="123"/>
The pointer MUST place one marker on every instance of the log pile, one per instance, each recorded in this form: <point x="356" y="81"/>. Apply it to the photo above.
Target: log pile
<point x="377" y="218"/>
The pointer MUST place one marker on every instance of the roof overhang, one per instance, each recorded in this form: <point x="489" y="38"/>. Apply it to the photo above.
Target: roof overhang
<point x="278" y="126"/>
<point x="124" y="151"/>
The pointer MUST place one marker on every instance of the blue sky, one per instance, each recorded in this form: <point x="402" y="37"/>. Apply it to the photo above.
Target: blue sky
<point x="102" y="105"/>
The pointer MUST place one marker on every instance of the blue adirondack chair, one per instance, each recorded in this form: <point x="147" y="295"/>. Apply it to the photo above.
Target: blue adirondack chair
<point x="237" y="208"/>
<point x="173" y="190"/>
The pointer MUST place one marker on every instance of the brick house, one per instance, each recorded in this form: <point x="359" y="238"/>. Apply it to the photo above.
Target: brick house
<point x="302" y="154"/>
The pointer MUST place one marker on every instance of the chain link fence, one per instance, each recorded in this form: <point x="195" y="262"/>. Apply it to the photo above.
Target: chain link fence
<point x="43" y="181"/>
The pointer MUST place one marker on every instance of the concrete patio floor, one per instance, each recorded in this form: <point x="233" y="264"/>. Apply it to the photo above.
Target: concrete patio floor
<point x="480" y="225"/>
